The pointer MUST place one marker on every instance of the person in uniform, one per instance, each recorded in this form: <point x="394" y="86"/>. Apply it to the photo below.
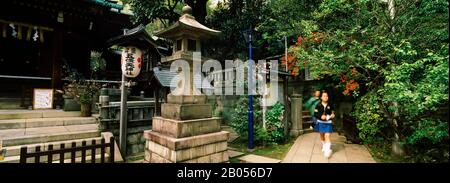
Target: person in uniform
<point x="324" y="113"/>
<point x="311" y="105"/>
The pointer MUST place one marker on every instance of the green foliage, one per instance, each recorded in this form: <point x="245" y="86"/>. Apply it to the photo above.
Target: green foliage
<point x="400" y="63"/>
<point x="273" y="133"/>
<point x="239" y="119"/>
<point x="82" y="90"/>
<point x="430" y="130"/>
<point x="261" y="136"/>
<point x="288" y="18"/>
<point x="274" y="123"/>
<point x="371" y="123"/>
<point x="148" y="11"/>
<point x="165" y="11"/>
<point x="231" y="18"/>
<point x="271" y="20"/>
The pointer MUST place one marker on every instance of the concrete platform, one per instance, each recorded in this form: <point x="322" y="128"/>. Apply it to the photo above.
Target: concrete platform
<point x="44" y="122"/>
<point x="251" y="158"/>
<point x="15" y="150"/>
<point x="26" y="114"/>
<point x="15" y="137"/>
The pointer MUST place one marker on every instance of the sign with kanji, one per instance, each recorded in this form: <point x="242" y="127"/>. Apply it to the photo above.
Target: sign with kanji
<point x="43" y="99"/>
<point x="131" y="61"/>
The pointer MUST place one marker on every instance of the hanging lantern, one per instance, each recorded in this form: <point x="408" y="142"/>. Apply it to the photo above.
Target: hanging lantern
<point x="131" y="61"/>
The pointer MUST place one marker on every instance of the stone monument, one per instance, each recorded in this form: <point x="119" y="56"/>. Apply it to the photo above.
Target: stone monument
<point x="186" y="132"/>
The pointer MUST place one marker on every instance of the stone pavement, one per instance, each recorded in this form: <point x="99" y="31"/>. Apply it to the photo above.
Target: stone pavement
<point x="307" y="149"/>
<point x="251" y="158"/>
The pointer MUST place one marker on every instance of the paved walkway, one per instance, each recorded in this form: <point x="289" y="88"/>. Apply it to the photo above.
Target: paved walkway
<point x="307" y="149"/>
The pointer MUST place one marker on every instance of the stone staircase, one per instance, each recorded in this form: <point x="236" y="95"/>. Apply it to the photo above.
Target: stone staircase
<point x="307" y="122"/>
<point x="44" y="127"/>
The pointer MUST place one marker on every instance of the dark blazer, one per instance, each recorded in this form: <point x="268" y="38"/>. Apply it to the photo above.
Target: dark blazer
<point x="321" y="110"/>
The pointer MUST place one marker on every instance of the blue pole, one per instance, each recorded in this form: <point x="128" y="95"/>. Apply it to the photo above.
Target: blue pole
<point x="250" y="89"/>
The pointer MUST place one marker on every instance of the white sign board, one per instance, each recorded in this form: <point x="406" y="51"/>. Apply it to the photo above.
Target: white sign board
<point x="43" y="98"/>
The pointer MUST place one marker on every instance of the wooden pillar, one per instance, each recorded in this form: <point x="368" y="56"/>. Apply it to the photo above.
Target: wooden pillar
<point x="287" y="105"/>
<point x="157" y="105"/>
<point x="57" y="50"/>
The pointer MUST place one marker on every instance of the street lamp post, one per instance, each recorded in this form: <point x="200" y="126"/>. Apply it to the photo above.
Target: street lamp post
<point x="248" y="39"/>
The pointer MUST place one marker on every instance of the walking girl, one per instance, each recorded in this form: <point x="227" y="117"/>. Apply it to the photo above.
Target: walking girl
<point x="324" y="113"/>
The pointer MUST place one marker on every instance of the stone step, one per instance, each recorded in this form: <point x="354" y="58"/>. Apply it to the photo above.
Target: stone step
<point x="26" y="114"/>
<point x="44" y="122"/>
<point x="15" y="137"/>
<point x="251" y="158"/>
<point x="233" y="154"/>
<point x="15" y="150"/>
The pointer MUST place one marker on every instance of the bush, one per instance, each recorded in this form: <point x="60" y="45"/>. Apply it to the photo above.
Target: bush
<point x="239" y="117"/>
<point x="429" y="141"/>
<point x="274" y="132"/>
<point x="274" y="123"/>
<point x="371" y="125"/>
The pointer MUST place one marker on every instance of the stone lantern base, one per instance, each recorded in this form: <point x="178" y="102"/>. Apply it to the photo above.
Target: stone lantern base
<point x="186" y="132"/>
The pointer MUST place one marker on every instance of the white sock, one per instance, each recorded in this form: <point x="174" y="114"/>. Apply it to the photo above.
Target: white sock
<point x="327" y="150"/>
<point x="327" y="146"/>
<point x="323" y="145"/>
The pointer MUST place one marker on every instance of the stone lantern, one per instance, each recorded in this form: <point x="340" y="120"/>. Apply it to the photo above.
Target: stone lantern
<point x="186" y="131"/>
<point x="186" y="35"/>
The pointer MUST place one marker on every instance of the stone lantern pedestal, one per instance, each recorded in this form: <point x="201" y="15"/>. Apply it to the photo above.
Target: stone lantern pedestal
<point x="186" y="131"/>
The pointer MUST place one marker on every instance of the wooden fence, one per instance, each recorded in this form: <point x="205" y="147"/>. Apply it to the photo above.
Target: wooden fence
<point x="24" y="154"/>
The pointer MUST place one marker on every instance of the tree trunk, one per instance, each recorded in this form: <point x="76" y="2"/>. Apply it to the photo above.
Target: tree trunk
<point x="86" y="110"/>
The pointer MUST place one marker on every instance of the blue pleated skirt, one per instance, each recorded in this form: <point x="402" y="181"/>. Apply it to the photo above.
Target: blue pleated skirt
<point x="323" y="126"/>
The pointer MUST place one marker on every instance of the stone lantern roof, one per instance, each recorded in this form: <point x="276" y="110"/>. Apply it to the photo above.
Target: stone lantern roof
<point x="187" y="25"/>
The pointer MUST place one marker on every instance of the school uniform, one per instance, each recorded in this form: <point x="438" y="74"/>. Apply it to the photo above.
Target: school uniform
<point x="323" y="126"/>
<point x="311" y="105"/>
